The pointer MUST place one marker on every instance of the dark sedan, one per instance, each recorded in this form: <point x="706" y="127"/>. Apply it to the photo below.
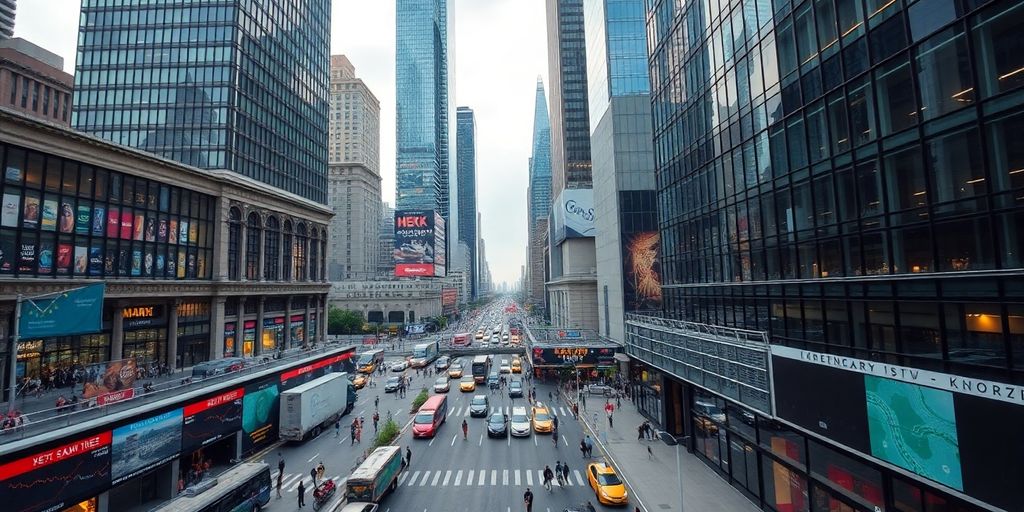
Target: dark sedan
<point x="392" y="384"/>
<point x="479" y="406"/>
<point x="515" y="389"/>
<point x="497" y="425"/>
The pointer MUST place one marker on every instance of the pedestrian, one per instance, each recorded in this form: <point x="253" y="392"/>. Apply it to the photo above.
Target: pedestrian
<point x="583" y="448"/>
<point x="548" y="476"/>
<point x="376" y="402"/>
<point x="320" y="471"/>
<point x="554" y="420"/>
<point x="590" y="446"/>
<point x="312" y="473"/>
<point x="565" y="471"/>
<point x="280" y="463"/>
<point x="408" y="455"/>
<point x="610" y="425"/>
<point x="302" y="494"/>
<point x="528" y="500"/>
<point x="337" y="428"/>
<point x="280" y="479"/>
<point x="576" y="410"/>
<point x="640" y="432"/>
<point x="352" y="433"/>
<point x="376" y="418"/>
<point x="583" y="401"/>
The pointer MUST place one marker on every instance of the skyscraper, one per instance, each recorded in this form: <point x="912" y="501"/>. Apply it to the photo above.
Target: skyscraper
<point x="839" y="196"/>
<point x="237" y="85"/>
<point x="465" y="136"/>
<point x="421" y="75"/>
<point x="354" y="178"/>
<point x="538" y="195"/>
<point x="7" y="12"/>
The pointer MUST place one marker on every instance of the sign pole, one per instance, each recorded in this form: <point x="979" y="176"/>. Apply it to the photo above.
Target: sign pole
<point x="15" y="337"/>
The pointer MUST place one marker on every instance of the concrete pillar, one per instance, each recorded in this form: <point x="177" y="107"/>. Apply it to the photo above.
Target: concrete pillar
<point x="117" y="332"/>
<point x="321" y="319"/>
<point x="175" y="471"/>
<point x="305" y="325"/>
<point x="280" y="253"/>
<point x="258" y="345"/>
<point x="217" y="328"/>
<point x="220" y="239"/>
<point x="288" y="322"/>
<point x="243" y="234"/>
<point x="172" y="335"/>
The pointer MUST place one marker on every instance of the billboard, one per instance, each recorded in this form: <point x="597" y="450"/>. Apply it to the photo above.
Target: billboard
<point x="949" y="429"/>
<point x="76" y="311"/>
<point x="449" y="297"/>
<point x="260" y="411"/>
<point x="570" y="355"/>
<point x="145" y="444"/>
<point x="57" y="478"/>
<point x="210" y="419"/>
<point x="642" y="271"/>
<point x="573" y="214"/>
<point x="419" y="244"/>
<point x="110" y="381"/>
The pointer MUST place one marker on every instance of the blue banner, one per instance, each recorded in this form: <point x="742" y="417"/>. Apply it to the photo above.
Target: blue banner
<point x="77" y="311"/>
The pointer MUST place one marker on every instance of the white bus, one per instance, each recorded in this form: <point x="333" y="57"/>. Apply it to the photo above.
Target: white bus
<point x="243" y="488"/>
<point x="424" y="354"/>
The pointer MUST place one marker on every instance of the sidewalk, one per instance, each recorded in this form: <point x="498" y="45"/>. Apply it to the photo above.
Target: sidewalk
<point x="654" y="483"/>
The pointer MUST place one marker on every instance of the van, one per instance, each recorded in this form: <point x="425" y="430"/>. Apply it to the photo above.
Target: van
<point x="431" y="415"/>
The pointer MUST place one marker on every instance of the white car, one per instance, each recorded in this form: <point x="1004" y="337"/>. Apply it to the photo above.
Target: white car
<point x="400" y="366"/>
<point x="520" y="422"/>
<point x="505" y="367"/>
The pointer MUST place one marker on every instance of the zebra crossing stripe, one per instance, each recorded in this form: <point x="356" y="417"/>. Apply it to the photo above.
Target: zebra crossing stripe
<point x="529" y="477"/>
<point x="412" y="479"/>
<point x="504" y="477"/>
<point x="467" y="412"/>
<point x="540" y="476"/>
<point x="579" y="477"/>
<point x="426" y="476"/>
<point x="483" y="475"/>
<point x="458" y="478"/>
<point x="517" y="478"/>
<point x="494" y="477"/>
<point x="403" y="477"/>
<point x="433" y="483"/>
<point x="469" y="478"/>
<point x="447" y="476"/>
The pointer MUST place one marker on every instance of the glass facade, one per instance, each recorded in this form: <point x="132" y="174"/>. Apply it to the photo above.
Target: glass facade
<point x="217" y="84"/>
<point x="616" y="52"/>
<point x="63" y="218"/>
<point x="570" y="118"/>
<point x="540" y="160"/>
<point x="421" y="75"/>
<point x="842" y="175"/>
<point x="465" y="135"/>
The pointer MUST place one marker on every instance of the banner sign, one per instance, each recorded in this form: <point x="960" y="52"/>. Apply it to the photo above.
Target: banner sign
<point x="77" y="311"/>
<point x="57" y="478"/>
<point x="573" y="214"/>
<point x="419" y="235"/>
<point x="109" y="377"/>
<point x="329" y="362"/>
<point x="449" y="298"/>
<point x="211" y="419"/>
<point x="145" y="444"/>
<point x="573" y="356"/>
<point x="115" y="396"/>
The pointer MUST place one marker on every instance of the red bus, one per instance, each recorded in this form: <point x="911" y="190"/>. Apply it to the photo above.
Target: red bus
<point x="431" y="415"/>
<point x="462" y="339"/>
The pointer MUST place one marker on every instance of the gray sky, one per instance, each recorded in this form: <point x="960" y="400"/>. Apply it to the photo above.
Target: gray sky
<point x="499" y="49"/>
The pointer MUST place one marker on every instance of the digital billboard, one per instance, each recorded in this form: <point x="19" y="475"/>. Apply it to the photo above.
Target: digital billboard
<point x="642" y="271"/>
<point x="419" y="244"/>
<point x="210" y="419"/>
<point x="573" y="356"/>
<point x="952" y="430"/>
<point x="57" y="478"/>
<point x="573" y="214"/>
<point x="145" y="444"/>
<point x="449" y="297"/>
<point x="260" y="412"/>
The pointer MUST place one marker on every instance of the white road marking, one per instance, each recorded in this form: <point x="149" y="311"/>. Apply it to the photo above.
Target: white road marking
<point x="458" y="478"/>
<point x="447" y="475"/>
<point x="535" y="440"/>
<point x="437" y="476"/>
<point x="540" y="475"/>
<point x="469" y="478"/>
<point x="456" y="436"/>
<point x="518" y="482"/>
<point x="426" y="476"/>
<point x="564" y="441"/>
<point x="311" y="459"/>
<point x="467" y="412"/>
<point x="431" y="443"/>
<point x="494" y="477"/>
<point x="412" y="479"/>
<point x="289" y="480"/>
<point x="508" y="439"/>
<point x="343" y="440"/>
<point x="579" y="477"/>
<point x="529" y="477"/>
<point x="504" y="477"/>
<point x="482" y="475"/>
<point x="481" y="442"/>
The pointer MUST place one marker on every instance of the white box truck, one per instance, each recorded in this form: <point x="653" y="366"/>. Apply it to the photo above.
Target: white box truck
<point x="308" y="409"/>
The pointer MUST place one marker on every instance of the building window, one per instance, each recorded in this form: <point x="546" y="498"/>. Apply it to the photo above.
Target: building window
<point x="314" y="253"/>
<point x="46" y="100"/>
<point x="234" y="240"/>
<point x="35" y="97"/>
<point x="24" y="92"/>
<point x="252" y="247"/>
<point x="286" y="246"/>
<point x="271" y="249"/>
<point x="14" y="87"/>
<point x="299" y="249"/>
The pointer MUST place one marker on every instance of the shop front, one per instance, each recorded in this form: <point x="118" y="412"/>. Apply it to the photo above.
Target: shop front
<point x="193" y="333"/>
<point x="273" y="334"/>
<point x="145" y="333"/>
<point x="582" y="363"/>
<point x="297" y="331"/>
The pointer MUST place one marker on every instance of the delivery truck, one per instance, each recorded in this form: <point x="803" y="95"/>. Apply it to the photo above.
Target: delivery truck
<point x="377" y="475"/>
<point x="308" y="409"/>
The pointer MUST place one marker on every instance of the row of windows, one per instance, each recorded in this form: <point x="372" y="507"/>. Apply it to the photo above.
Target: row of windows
<point x="42" y="96"/>
<point x="155" y="56"/>
<point x="120" y="96"/>
<point x="93" y="13"/>
<point x="185" y="35"/>
<point x="303" y="256"/>
<point x="109" y="77"/>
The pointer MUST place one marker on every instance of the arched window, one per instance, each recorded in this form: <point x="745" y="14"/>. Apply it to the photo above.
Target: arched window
<point x="253" y="232"/>
<point x="271" y="249"/>
<point x="299" y="249"/>
<point x="234" y="241"/>
<point x="314" y="255"/>
<point x="323" y="252"/>
<point x="286" y="246"/>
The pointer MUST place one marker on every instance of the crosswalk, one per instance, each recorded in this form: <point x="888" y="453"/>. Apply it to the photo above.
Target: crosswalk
<point x="464" y="411"/>
<point x="290" y="483"/>
<point x="481" y="478"/>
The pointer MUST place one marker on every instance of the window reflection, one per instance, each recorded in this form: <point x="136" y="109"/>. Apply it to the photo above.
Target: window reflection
<point x="943" y="75"/>
<point x="999" y="49"/>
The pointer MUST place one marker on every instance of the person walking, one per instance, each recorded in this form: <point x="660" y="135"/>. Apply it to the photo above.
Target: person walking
<point x="280" y="480"/>
<point x="376" y="418"/>
<point x="408" y="456"/>
<point x="312" y="473"/>
<point x="376" y="402"/>
<point x="610" y="425"/>
<point x="280" y="463"/>
<point x="352" y="433"/>
<point x="583" y="448"/>
<point x="528" y="500"/>
<point x="583" y="401"/>
<point x="320" y="471"/>
<point x="641" y="431"/>
<point x="590" y="446"/>
<point x="302" y="494"/>
<point x="548" y="476"/>
<point x="337" y="428"/>
<point x="465" y="430"/>
<point x="565" y="471"/>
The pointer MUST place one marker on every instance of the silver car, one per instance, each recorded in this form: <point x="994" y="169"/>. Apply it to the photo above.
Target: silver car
<point x="520" y="422"/>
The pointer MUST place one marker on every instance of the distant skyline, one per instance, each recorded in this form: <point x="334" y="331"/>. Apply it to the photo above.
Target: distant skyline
<point x="496" y="65"/>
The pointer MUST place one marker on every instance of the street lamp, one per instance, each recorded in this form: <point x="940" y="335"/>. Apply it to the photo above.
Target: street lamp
<point x="672" y="440"/>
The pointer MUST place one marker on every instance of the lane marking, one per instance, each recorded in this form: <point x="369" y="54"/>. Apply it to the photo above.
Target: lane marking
<point x="412" y="479"/>
<point x="540" y="476"/>
<point x="504" y="477"/>
<point x="456" y="436"/>
<point x="447" y="475"/>
<point x="529" y="477"/>
<point x="494" y="477"/>
<point x="458" y="478"/>
<point x="579" y="477"/>
<point x="469" y="478"/>
<point x="431" y="443"/>
<point x="518" y="482"/>
<point x="402" y="477"/>
<point x="535" y="440"/>
<point x="343" y="440"/>
<point x="481" y="442"/>
<point x="482" y="475"/>
<point x="311" y="459"/>
<point x="437" y="476"/>
<point x="467" y="412"/>
<point x="564" y="441"/>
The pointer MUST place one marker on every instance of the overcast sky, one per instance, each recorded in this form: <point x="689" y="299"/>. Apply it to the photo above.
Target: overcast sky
<point x="498" y="49"/>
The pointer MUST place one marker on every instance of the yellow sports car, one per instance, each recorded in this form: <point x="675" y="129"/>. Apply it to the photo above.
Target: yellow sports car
<point x="606" y="484"/>
<point x="455" y="371"/>
<point x="467" y="384"/>
<point x="360" y="381"/>
<point x="542" y="421"/>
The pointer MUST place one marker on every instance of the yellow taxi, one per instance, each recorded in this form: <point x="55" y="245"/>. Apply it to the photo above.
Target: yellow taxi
<point x="517" y="366"/>
<point x="455" y="371"/>
<point x="467" y="384"/>
<point x="542" y="422"/>
<point x="606" y="484"/>
<point x="360" y="381"/>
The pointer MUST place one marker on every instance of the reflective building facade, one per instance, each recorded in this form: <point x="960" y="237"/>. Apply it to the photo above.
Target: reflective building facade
<point x="235" y="85"/>
<point x="567" y="72"/>
<point x="842" y="176"/>
<point x="465" y="134"/>
<point x="421" y="74"/>
<point x="540" y="159"/>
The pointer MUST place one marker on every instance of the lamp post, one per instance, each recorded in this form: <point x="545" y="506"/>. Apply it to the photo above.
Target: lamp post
<point x="672" y="440"/>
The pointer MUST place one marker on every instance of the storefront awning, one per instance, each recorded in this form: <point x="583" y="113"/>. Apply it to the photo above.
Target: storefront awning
<point x="622" y="358"/>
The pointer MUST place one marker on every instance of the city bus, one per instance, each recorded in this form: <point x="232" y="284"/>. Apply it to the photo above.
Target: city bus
<point x="369" y="360"/>
<point x="243" y="488"/>
<point x="481" y="367"/>
<point x="424" y="354"/>
<point x="462" y="340"/>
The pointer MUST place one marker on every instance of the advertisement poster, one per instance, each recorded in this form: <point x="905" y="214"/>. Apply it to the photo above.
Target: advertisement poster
<point x="172" y="230"/>
<point x="99" y="215"/>
<point x="303" y="374"/>
<point x="108" y="377"/>
<point x="140" y="222"/>
<point x="150" y="232"/>
<point x="414" y="243"/>
<point x="642" y="272"/>
<point x="95" y="260"/>
<point x="260" y="413"/>
<point x="161" y="232"/>
<point x="57" y="478"/>
<point x="298" y="332"/>
<point x="67" y="217"/>
<point x="31" y="216"/>
<point x="46" y="258"/>
<point x="449" y="296"/>
<point x="81" y="259"/>
<point x="249" y="338"/>
<point x="572" y="214"/>
<point x="11" y="206"/>
<point x="183" y="232"/>
<point x="64" y="253"/>
<point x="49" y="214"/>
<point x="83" y="219"/>
<point x="27" y="257"/>
<point x="7" y="252"/>
<point x="145" y="444"/>
<point x="160" y="264"/>
<point x="137" y="262"/>
<point x="181" y="264"/>
<point x="229" y="340"/>
<point x="573" y="356"/>
<point x="126" y="225"/>
<point x="113" y="223"/>
<point x="209" y="420"/>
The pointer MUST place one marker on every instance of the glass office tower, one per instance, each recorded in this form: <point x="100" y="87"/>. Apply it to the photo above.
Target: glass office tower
<point x="235" y="85"/>
<point x="540" y="159"/>
<point x="421" y="74"/>
<point x="844" y="177"/>
<point x="465" y="134"/>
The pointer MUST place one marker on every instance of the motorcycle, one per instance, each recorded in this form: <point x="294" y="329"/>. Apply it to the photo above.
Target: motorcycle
<point x="323" y="493"/>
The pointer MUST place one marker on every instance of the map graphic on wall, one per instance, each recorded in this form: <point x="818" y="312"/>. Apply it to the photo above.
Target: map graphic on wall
<point x="914" y="427"/>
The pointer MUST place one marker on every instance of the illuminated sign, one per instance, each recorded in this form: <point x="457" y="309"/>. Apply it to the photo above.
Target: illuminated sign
<point x="139" y="312"/>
